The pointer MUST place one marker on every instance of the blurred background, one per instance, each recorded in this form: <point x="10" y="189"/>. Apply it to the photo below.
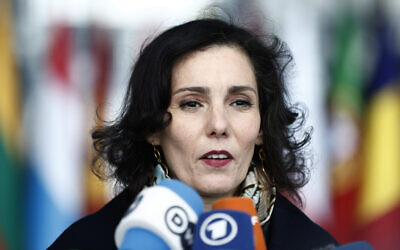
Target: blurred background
<point x="61" y="62"/>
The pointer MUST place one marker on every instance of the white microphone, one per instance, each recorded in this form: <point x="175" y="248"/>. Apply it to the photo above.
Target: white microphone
<point x="161" y="217"/>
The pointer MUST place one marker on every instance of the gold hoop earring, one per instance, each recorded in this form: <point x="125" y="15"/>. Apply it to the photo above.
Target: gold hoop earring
<point x="272" y="197"/>
<point x="157" y="154"/>
<point x="261" y="155"/>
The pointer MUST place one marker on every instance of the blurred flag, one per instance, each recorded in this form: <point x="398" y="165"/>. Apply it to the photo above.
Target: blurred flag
<point x="366" y="124"/>
<point x="9" y="135"/>
<point x="378" y="212"/>
<point x="100" y="47"/>
<point x="55" y="130"/>
<point x="345" y="104"/>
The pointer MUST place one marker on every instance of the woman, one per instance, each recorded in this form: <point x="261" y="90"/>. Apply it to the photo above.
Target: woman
<point x="206" y="104"/>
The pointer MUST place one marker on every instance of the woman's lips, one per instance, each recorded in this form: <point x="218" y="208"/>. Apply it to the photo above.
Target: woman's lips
<point x="217" y="163"/>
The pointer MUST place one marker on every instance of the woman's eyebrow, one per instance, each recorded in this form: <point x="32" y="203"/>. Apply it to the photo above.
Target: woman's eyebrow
<point x="238" y="89"/>
<point x="200" y="90"/>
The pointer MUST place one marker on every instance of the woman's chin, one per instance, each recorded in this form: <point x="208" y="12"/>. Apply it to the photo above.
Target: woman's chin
<point x="215" y="191"/>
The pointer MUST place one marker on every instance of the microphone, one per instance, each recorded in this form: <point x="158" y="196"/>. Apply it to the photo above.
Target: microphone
<point x="223" y="229"/>
<point x="161" y="217"/>
<point x="357" y="245"/>
<point x="245" y="205"/>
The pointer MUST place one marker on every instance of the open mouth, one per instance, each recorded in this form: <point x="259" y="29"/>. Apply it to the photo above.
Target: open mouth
<point x="217" y="158"/>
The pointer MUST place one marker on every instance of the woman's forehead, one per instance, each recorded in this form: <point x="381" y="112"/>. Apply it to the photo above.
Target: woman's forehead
<point x="214" y="66"/>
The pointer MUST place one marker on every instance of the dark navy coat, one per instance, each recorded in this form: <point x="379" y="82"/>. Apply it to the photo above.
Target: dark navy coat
<point x="288" y="228"/>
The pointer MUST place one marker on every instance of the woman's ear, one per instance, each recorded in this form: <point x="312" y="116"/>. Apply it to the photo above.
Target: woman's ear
<point x="259" y="140"/>
<point x="154" y="139"/>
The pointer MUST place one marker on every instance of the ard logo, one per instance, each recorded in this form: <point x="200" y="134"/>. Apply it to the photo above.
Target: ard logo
<point x="218" y="229"/>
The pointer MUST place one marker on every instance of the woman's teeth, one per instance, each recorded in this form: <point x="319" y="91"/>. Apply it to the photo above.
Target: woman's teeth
<point x="217" y="156"/>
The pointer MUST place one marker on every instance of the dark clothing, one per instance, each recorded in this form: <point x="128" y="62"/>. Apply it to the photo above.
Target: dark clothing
<point x="95" y="231"/>
<point x="288" y="228"/>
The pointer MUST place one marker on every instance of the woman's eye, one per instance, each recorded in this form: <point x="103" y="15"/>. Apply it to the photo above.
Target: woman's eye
<point x="242" y="103"/>
<point x="189" y="104"/>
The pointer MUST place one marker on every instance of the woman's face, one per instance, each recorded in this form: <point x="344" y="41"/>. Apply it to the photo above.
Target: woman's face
<point x="215" y="122"/>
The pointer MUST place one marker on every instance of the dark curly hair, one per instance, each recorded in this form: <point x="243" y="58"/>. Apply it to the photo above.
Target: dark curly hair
<point x="122" y="143"/>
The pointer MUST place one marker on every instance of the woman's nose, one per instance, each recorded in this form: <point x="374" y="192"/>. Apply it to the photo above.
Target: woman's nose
<point x="217" y="123"/>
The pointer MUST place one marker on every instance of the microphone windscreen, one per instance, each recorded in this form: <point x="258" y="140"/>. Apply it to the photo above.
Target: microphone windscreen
<point x="224" y="229"/>
<point x="357" y="245"/>
<point x="245" y="205"/>
<point x="149" y="240"/>
<point x="169" y="211"/>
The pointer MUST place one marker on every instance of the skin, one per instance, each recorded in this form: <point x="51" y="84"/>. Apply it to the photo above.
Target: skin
<point x="214" y="106"/>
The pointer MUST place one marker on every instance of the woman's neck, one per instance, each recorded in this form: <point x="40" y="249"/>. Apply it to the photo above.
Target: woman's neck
<point x="210" y="200"/>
